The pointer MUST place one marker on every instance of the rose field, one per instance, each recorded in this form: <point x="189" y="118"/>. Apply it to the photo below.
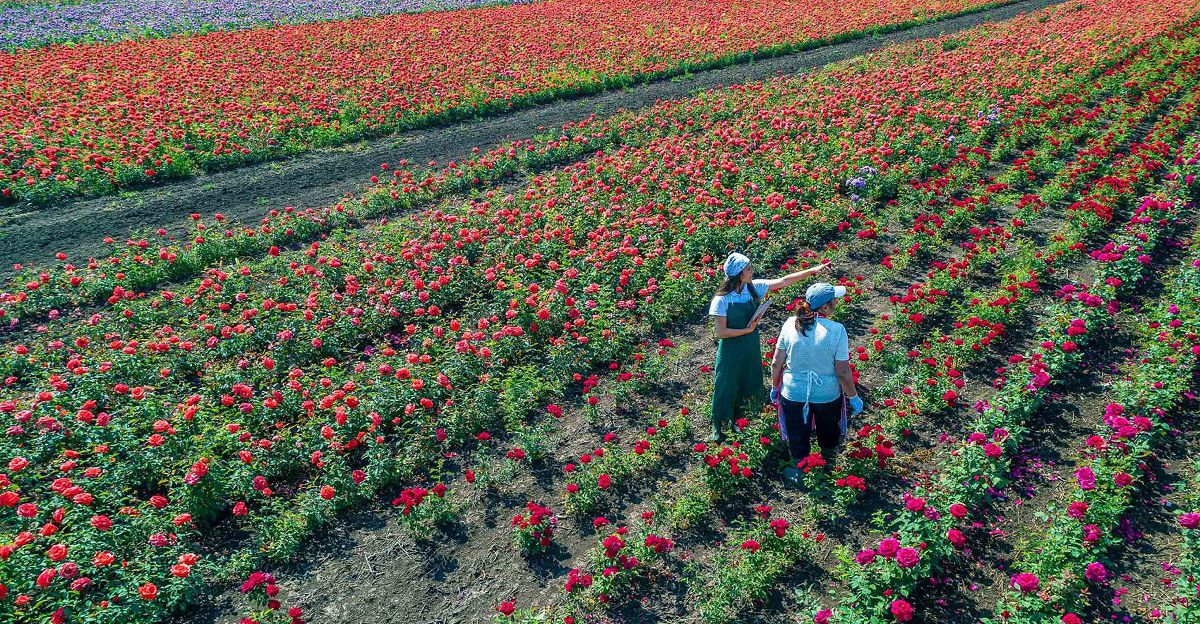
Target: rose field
<point x="95" y="118"/>
<point x="479" y="390"/>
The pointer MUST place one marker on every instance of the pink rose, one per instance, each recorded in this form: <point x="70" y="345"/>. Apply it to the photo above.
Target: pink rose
<point x="1024" y="582"/>
<point x="907" y="558"/>
<point x="956" y="537"/>
<point x="901" y="610"/>
<point x="1085" y="478"/>
<point x="888" y="547"/>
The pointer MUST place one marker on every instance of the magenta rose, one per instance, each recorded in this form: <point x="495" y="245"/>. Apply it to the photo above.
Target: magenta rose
<point x="1024" y="582"/>
<point x="1095" y="572"/>
<point x="956" y="537"/>
<point x="901" y="610"/>
<point x="888" y="547"/>
<point x="1085" y="477"/>
<point x="908" y="557"/>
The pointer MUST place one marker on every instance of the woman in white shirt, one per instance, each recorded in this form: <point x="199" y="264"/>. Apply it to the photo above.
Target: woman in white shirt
<point x="810" y="376"/>
<point x="739" y="366"/>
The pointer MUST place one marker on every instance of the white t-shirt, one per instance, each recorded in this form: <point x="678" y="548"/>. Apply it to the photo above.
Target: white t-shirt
<point x="816" y="352"/>
<point x="720" y="303"/>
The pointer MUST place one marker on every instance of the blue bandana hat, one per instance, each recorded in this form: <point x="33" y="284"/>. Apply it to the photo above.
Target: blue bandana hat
<point x="822" y="293"/>
<point x="735" y="264"/>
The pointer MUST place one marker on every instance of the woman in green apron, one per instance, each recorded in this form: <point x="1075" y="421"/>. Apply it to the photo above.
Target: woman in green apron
<point x="739" y="367"/>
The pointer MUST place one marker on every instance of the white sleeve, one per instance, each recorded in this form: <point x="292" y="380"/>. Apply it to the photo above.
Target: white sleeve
<point x="718" y="306"/>
<point x="761" y="287"/>
<point x="841" y="345"/>
<point x="784" y="342"/>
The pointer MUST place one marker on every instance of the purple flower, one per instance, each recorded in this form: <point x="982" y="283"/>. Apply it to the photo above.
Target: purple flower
<point x="1190" y="520"/>
<point x="1095" y="572"/>
<point x="41" y="24"/>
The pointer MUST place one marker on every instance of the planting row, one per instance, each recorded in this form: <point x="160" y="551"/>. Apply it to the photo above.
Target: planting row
<point x="936" y="508"/>
<point x="143" y="111"/>
<point x="725" y="470"/>
<point x="266" y="397"/>
<point x="146" y="262"/>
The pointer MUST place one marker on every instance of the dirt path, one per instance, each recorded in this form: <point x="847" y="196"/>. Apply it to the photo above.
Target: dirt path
<point x="320" y="178"/>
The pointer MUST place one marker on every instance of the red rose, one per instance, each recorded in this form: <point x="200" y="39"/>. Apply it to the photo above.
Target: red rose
<point x="57" y="552"/>
<point x="901" y="610"/>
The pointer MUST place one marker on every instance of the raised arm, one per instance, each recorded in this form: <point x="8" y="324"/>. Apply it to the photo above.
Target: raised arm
<point x="792" y="278"/>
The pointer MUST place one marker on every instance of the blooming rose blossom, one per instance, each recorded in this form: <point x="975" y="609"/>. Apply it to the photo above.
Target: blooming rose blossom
<point x="901" y="610"/>
<point x="1025" y="582"/>
<point x="888" y="547"/>
<point x="907" y="557"/>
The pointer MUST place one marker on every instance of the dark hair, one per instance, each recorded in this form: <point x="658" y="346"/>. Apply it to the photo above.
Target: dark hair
<point x="734" y="284"/>
<point x="806" y="317"/>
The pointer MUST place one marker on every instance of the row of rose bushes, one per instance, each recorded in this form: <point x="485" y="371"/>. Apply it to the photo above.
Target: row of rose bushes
<point x="355" y="400"/>
<point x="733" y="461"/>
<point x="935" y="509"/>
<point x="157" y="258"/>
<point x="900" y="557"/>
<point x="857" y="449"/>
<point x="1183" y="606"/>
<point x="948" y="282"/>
<point x="725" y="470"/>
<point x="282" y="528"/>
<point x="1049" y="583"/>
<point x="170" y="108"/>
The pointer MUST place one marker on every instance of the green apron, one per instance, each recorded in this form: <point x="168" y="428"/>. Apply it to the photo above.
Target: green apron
<point x="739" y="369"/>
